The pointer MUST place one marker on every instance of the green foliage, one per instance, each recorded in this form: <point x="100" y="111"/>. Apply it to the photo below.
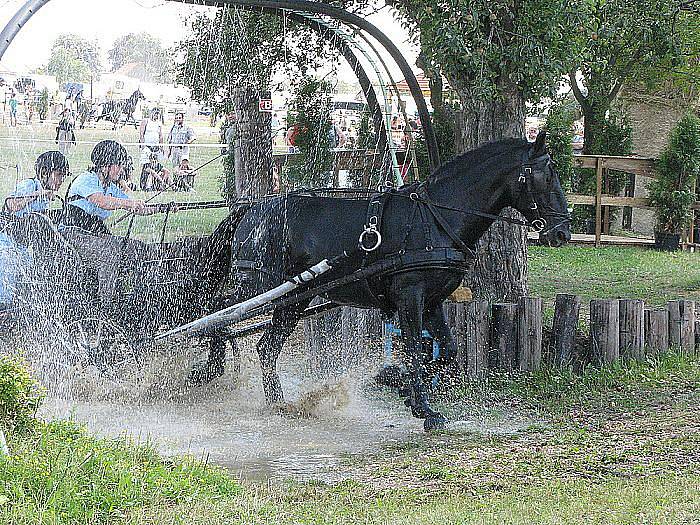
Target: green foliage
<point x="20" y="394"/>
<point x="243" y="48"/>
<point x="614" y="138"/>
<point x="673" y="191"/>
<point x="66" y="67"/>
<point x="146" y="50"/>
<point x="310" y="112"/>
<point x="559" y="127"/>
<point x="482" y="46"/>
<point x="444" y="125"/>
<point x="59" y="474"/>
<point x="73" y="59"/>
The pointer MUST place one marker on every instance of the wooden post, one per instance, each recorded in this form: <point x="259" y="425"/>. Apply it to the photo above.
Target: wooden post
<point x="455" y="317"/>
<point x="566" y="313"/>
<point x="598" y="200"/>
<point x="606" y="210"/>
<point x="632" y="328"/>
<point x="605" y="333"/>
<point x="681" y="325"/>
<point x="656" y="330"/>
<point x="477" y="329"/>
<point x="529" y="333"/>
<point x="505" y="335"/>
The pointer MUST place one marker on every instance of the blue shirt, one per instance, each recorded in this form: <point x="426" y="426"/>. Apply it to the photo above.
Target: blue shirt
<point x="89" y="184"/>
<point x="27" y="187"/>
<point x="14" y="261"/>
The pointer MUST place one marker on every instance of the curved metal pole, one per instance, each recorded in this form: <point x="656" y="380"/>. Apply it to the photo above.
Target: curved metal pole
<point x="16" y="23"/>
<point x="32" y="6"/>
<point x="350" y="19"/>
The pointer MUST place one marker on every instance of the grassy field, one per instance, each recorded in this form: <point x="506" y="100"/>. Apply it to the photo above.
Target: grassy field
<point x="617" y="447"/>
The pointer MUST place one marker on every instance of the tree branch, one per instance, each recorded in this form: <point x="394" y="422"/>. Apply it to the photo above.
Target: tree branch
<point x="580" y="98"/>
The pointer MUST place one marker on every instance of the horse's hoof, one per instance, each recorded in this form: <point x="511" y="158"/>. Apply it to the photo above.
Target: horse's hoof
<point x="435" y="422"/>
<point x="203" y="373"/>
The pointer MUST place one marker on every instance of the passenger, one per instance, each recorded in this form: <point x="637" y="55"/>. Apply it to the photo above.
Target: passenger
<point x="33" y="195"/>
<point x="95" y="194"/>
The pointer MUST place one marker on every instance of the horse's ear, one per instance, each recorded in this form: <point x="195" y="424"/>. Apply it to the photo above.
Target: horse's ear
<point x="540" y="148"/>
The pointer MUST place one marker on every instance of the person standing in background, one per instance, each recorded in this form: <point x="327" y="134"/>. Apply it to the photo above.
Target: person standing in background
<point x="179" y="139"/>
<point x="65" y="131"/>
<point x="151" y="137"/>
<point x="13" y="109"/>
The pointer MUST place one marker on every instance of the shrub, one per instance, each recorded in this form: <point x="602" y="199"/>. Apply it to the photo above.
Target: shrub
<point x="673" y="191"/>
<point x="20" y="394"/>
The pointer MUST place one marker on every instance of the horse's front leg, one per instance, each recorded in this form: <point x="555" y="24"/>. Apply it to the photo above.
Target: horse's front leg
<point x="411" y="320"/>
<point x="270" y="346"/>
<point x="213" y="367"/>
<point x="437" y="326"/>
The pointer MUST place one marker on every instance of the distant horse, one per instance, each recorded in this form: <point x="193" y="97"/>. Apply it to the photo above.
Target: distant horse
<point x="428" y="235"/>
<point x="113" y="110"/>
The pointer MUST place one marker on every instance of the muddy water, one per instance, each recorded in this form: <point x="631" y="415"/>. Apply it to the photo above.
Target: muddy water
<point x="227" y="421"/>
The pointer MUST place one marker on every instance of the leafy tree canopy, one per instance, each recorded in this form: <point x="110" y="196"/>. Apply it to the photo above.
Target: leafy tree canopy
<point x="66" y="67"/>
<point x="146" y="50"/>
<point x="88" y="51"/>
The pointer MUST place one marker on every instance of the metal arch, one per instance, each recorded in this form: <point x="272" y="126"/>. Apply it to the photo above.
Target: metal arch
<point x="32" y="6"/>
<point x="384" y="123"/>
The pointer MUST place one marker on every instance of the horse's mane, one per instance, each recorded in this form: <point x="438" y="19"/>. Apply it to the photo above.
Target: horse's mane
<point x="472" y="160"/>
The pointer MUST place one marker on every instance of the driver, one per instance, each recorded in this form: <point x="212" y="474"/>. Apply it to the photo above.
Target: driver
<point x="97" y="192"/>
<point x="33" y="195"/>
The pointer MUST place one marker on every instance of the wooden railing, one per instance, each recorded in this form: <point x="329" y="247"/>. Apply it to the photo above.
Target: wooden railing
<point x="637" y="166"/>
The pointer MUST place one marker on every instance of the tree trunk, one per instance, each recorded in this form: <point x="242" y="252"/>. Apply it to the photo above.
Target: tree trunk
<point x="500" y="271"/>
<point x="252" y="150"/>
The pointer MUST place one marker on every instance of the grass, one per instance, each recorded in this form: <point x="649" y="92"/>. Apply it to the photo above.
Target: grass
<point x="611" y="272"/>
<point x="633" y="459"/>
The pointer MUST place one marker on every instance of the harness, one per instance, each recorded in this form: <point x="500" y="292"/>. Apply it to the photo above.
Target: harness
<point x="458" y="257"/>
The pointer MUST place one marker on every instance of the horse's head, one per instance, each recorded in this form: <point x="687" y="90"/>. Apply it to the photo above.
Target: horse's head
<point x="138" y="95"/>
<point x="538" y="195"/>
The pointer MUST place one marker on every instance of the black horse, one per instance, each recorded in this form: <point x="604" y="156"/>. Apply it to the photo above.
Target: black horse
<point x="113" y="110"/>
<point x="428" y="233"/>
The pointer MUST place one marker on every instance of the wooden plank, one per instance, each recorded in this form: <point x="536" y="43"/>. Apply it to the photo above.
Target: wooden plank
<point x="529" y="333"/>
<point x="566" y="314"/>
<point x="605" y="333"/>
<point x="477" y="330"/>
<point x="681" y="325"/>
<point x="656" y="330"/>
<point x="639" y="166"/>
<point x="598" y="201"/>
<point x="505" y="335"/>
<point x="632" y="329"/>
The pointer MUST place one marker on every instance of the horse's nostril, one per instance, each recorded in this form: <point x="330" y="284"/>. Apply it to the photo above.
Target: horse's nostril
<point x="563" y="236"/>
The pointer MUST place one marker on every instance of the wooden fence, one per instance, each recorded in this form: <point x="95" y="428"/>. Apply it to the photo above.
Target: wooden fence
<point x="603" y="200"/>
<point x="512" y="336"/>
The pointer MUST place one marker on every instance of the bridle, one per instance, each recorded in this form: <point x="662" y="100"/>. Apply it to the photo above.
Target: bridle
<point x="526" y="179"/>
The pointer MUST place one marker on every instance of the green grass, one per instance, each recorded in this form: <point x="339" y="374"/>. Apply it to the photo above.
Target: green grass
<point x="611" y="272"/>
<point x="632" y="459"/>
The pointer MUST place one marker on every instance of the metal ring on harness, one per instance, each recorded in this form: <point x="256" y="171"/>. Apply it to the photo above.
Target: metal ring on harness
<point x="538" y="225"/>
<point x="370" y="230"/>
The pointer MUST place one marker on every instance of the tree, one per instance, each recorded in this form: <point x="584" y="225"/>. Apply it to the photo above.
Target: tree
<point x="145" y="50"/>
<point x="66" y="67"/>
<point x="496" y="55"/>
<point x="228" y="64"/>
<point x="623" y="42"/>
<point x="88" y="51"/>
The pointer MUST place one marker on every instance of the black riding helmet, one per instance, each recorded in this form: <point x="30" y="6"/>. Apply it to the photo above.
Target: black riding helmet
<point x="109" y="153"/>
<point x="51" y="161"/>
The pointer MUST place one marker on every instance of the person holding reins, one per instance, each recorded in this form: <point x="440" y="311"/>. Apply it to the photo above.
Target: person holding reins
<point x="95" y="194"/>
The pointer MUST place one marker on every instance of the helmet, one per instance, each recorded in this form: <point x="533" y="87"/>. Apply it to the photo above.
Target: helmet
<point x="109" y="153"/>
<point x="51" y="161"/>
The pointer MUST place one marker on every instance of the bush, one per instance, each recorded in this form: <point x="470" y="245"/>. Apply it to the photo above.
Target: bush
<point x="673" y="191"/>
<point x="20" y="394"/>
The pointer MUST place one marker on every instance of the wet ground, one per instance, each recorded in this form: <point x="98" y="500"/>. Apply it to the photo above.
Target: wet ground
<point x="329" y="420"/>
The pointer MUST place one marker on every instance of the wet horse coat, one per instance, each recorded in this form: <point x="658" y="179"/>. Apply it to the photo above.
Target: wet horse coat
<point x="280" y="237"/>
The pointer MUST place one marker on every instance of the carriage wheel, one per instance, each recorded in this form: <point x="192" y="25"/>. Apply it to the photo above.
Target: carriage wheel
<point x="103" y="344"/>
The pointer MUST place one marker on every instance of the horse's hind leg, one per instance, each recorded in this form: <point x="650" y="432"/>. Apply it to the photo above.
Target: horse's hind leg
<point x="411" y="320"/>
<point x="437" y="326"/>
<point x="270" y="346"/>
